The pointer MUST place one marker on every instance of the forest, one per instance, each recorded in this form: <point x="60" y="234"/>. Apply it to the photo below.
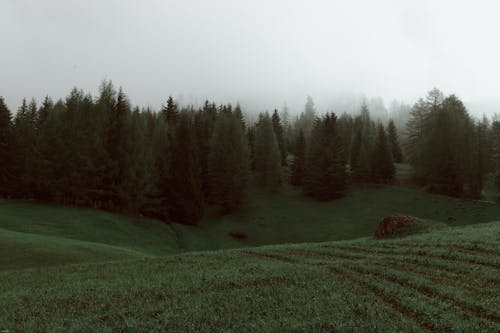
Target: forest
<point x="171" y="164"/>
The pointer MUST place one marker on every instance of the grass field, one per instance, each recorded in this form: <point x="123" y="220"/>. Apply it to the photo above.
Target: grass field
<point x="447" y="280"/>
<point x="37" y="235"/>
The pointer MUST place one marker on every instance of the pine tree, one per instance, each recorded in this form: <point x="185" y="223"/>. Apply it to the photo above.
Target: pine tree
<point x="228" y="163"/>
<point x="360" y="163"/>
<point x="186" y="204"/>
<point x="298" y="165"/>
<point x="325" y="177"/>
<point x="267" y="156"/>
<point x="7" y="151"/>
<point x="382" y="164"/>
<point x="278" y="132"/>
<point x="170" y="111"/>
<point x="25" y="128"/>
<point x="397" y="154"/>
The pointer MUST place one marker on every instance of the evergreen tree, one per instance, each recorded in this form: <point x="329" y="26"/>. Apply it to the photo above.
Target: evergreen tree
<point x="25" y="128"/>
<point x="397" y="154"/>
<point x="116" y="144"/>
<point x="325" y="177"/>
<point x="298" y="166"/>
<point x="382" y="164"/>
<point x="186" y="204"/>
<point x="278" y="132"/>
<point x="7" y="151"/>
<point x="170" y="111"/>
<point x="228" y="163"/>
<point x="267" y="156"/>
<point x="360" y="163"/>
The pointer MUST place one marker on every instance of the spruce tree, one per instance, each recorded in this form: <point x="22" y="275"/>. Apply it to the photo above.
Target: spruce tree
<point x="397" y="154"/>
<point x="7" y="151"/>
<point x="298" y="164"/>
<point x="360" y="162"/>
<point x="325" y="177"/>
<point x="267" y="156"/>
<point x="382" y="164"/>
<point x="279" y="133"/>
<point x="228" y="162"/>
<point x="170" y="111"/>
<point x="186" y="204"/>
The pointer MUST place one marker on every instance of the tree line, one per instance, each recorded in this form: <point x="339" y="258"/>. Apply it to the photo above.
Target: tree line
<point x="103" y="153"/>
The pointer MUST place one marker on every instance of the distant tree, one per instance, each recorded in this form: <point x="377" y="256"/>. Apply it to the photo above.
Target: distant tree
<point x="117" y="149"/>
<point x="495" y="130"/>
<point x="228" y="162"/>
<point x="279" y="133"/>
<point x="170" y="111"/>
<point x="7" y="151"/>
<point x="397" y="154"/>
<point x="325" y="176"/>
<point x="186" y="204"/>
<point x="25" y="128"/>
<point x="306" y="119"/>
<point x="267" y="156"/>
<point x="298" y="164"/>
<point x="382" y="163"/>
<point x="360" y="163"/>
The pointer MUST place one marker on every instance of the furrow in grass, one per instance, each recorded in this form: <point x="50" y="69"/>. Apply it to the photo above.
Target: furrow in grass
<point x="484" y="275"/>
<point x="426" y="309"/>
<point x="473" y="260"/>
<point x="440" y="277"/>
<point x="426" y="287"/>
<point x="270" y="256"/>
<point x="391" y="302"/>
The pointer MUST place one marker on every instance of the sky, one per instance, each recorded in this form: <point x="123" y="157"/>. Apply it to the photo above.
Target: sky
<point x="261" y="53"/>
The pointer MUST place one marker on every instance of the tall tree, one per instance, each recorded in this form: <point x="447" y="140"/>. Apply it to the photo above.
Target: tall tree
<point x="7" y="150"/>
<point x="325" y="177"/>
<point x="397" y="154"/>
<point x="228" y="162"/>
<point x="279" y="133"/>
<point x="382" y="163"/>
<point x="186" y="204"/>
<point x="298" y="165"/>
<point x="267" y="156"/>
<point x="170" y="111"/>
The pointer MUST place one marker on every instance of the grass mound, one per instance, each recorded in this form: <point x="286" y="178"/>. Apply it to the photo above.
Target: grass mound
<point x="404" y="225"/>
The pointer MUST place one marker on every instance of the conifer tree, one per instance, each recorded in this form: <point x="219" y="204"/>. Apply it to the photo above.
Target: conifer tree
<point x="360" y="163"/>
<point x="279" y="133"/>
<point x="397" y="154"/>
<point x="228" y="162"/>
<point x="267" y="156"/>
<point x="7" y="151"/>
<point x="298" y="165"/>
<point x="382" y="164"/>
<point x="170" y="111"/>
<point x="325" y="177"/>
<point x="186" y="204"/>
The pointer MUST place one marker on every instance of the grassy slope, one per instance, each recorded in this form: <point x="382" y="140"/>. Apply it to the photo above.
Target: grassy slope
<point x="40" y="235"/>
<point x="445" y="280"/>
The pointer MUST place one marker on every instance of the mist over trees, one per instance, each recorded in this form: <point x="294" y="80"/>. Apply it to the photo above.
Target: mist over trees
<point x="101" y="152"/>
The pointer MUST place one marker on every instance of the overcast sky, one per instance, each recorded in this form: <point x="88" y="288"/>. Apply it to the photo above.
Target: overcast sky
<point x="260" y="52"/>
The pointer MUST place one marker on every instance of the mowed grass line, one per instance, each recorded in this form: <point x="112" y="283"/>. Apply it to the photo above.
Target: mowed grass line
<point x="363" y="285"/>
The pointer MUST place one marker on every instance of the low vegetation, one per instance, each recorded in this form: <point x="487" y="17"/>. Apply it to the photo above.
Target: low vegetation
<point x="444" y="280"/>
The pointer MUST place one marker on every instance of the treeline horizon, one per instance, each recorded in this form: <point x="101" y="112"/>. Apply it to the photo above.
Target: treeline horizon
<point x="103" y="153"/>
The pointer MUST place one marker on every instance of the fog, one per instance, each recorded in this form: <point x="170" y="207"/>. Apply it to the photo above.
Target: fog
<point x="262" y="54"/>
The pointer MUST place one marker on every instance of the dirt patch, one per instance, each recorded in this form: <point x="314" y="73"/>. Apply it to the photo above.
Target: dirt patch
<point x="238" y="235"/>
<point x="393" y="225"/>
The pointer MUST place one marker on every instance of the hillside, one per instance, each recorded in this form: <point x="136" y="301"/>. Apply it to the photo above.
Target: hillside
<point x="37" y="235"/>
<point x="444" y="280"/>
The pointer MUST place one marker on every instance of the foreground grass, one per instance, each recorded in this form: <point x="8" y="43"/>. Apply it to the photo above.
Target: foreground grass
<point x="445" y="280"/>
